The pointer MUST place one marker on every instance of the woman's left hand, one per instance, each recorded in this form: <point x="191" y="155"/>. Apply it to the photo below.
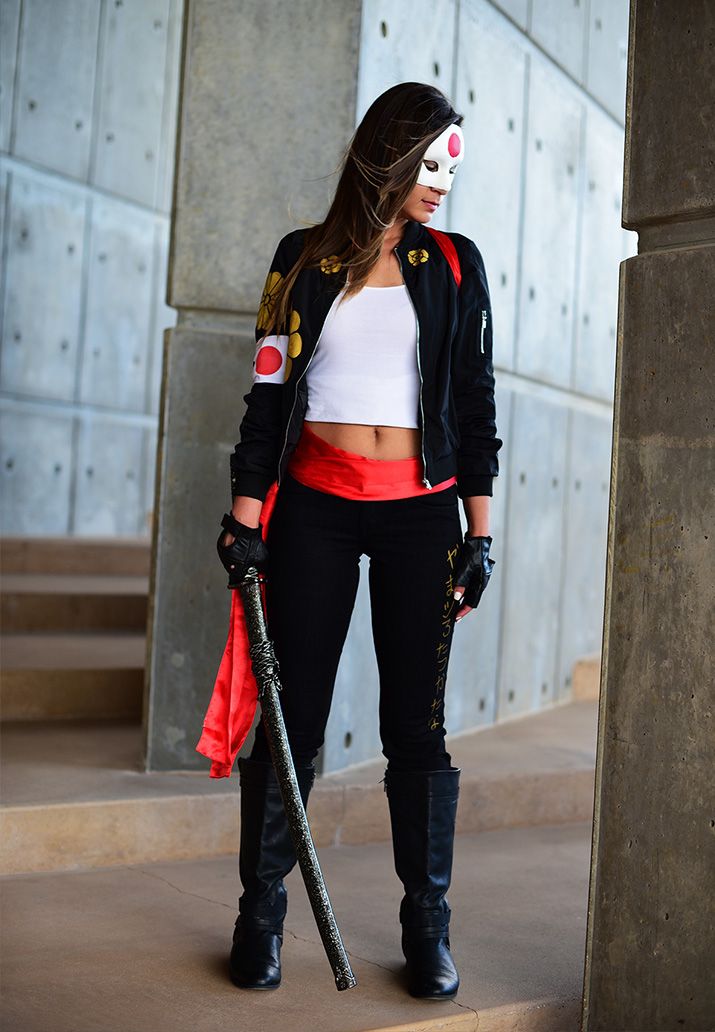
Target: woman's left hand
<point x="472" y="573"/>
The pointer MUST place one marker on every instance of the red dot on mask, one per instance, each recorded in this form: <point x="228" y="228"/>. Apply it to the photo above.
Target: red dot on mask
<point x="269" y="360"/>
<point x="454" y="146"/>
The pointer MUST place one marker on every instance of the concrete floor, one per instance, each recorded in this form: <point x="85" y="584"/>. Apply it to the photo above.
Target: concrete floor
<point x="74" y="794"/>
<point x="144" y="948"/>
<point x="45" y="762"/>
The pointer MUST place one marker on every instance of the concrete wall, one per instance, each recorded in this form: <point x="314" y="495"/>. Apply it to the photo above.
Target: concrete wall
<point x="87" y="116"/>
<point x="85" y="170"/>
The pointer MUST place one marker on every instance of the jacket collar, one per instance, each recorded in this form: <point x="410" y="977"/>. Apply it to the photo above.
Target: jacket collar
<point x="413" y="235"/>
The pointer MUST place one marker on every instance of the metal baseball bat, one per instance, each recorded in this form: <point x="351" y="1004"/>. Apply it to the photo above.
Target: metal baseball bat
<point x="265" y="669"/>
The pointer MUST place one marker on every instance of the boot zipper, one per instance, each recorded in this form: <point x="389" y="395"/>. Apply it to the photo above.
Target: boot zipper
<point x="419" y="369"/>
<point x="295" y="399"/>
<point x="484" y="325"/>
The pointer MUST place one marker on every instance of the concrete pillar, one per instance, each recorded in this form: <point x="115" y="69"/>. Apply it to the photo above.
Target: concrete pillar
<point x="268" y="101"/>
<point x="650" y="948"/>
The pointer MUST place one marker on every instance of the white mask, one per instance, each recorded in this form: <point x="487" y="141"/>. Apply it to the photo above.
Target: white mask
<point x="448" y="152"/>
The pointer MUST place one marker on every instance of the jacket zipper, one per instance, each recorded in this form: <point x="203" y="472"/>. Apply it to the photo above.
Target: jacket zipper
<point x="484" y="325"/>
<point x="295" y="399"/>
<point x="425" y="481"/>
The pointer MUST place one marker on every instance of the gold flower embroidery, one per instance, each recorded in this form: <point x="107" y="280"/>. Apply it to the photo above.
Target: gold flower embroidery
<point x="295" y="342"/>
<point x="270" y="290"/>
<point x="415" y="257"/>
<point x="331" y="264"/>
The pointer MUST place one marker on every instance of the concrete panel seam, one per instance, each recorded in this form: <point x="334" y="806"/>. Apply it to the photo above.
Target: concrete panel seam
<point x="521" y="383"/>
<point x="519" y="277"/>
<point x="54" y="407"/>
<point x="565" y="508"/>
<point x="4" y="243"/>
<point x="580" y="205"/>
<point x="32" y="170"/>
<point x="170" y="108"/>
<point x="97" y="93"/>
<point x="502" y="621"/>
<point x="15" y="90"/>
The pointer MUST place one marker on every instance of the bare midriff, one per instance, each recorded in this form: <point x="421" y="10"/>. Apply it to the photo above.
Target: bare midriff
<point x="375" y="442"/>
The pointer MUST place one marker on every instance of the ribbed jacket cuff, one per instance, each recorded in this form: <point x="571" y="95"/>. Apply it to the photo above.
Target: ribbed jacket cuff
<point x="475" y="484"/>
<point x="250" y="485"/>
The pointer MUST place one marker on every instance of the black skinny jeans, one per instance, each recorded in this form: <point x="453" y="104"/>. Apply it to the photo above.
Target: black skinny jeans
<point x="315" y="541"/>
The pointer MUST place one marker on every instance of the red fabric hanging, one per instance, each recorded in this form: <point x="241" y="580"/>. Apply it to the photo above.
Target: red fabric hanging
<point x="232" y="706"/>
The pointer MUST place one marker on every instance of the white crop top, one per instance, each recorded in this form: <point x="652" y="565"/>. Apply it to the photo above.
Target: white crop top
<point x="364" y="369"/>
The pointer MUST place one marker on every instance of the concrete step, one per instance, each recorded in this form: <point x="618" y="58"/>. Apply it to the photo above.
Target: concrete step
<point x="145" y="946"/>
<point x="126" y="556"/>
<point x="72" y="602"/>
<point x="75" y="794"/>
<point x="65" y="676"/>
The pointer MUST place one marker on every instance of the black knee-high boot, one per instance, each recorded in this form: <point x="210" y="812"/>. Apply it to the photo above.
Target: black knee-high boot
<point x="266" y="855"/>
<point x="423" y="811"/>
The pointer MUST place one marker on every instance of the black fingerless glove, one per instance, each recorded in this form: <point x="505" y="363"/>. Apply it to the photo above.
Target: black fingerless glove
<point x="247" y="549"/>
<point x="473" y="568"/>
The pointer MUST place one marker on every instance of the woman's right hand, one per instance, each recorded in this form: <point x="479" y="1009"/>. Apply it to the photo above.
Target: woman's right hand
<point x="246" y="510"/>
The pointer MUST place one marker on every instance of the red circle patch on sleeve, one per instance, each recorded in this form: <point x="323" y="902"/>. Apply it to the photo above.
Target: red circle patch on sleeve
<point x="268" y="360"/>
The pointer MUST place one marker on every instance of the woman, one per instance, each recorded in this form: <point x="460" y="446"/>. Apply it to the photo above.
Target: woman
<point x="373" y="437"/>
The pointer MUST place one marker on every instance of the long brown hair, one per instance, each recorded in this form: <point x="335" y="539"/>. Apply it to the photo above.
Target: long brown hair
<point x="378" y="170"/>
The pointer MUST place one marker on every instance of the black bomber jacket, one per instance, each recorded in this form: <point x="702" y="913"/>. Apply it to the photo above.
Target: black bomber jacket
<point x="456" y="414"/>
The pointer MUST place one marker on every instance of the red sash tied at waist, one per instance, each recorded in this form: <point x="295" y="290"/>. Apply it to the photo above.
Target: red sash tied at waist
<point x="321" y="465"/>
